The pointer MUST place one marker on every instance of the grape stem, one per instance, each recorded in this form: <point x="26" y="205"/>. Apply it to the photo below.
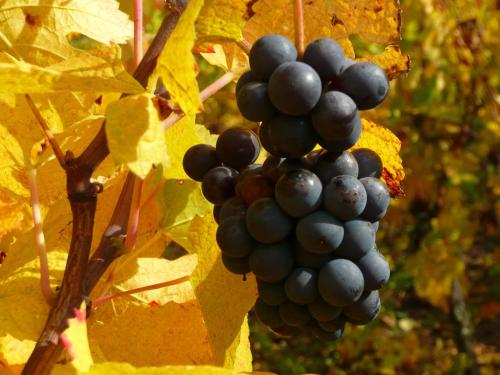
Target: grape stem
<point x="40" y="238"/>
<point x="138" y="31"/>
<point x="99" y="301"/>
<point x="46" y="131"/>
<point x="299" y="27"/>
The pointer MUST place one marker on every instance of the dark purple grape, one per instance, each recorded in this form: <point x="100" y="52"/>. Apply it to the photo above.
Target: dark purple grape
<point x="216" y="212"/>
<point x="323" y="311"/>
<point x="265" y="139"/>
<point x="375" y="269"/>
<point x="342" y="144"/>
<point x="377" y="199"/>
<point x="253" y="102"/>
<point x="267" y="314"/>
<point x="340" y="282"/>
<point x="198" y="160"/>
<point x="271" y="293"/>
<point x="365" y="82"/>
<point x="233" y="238"/>
<point x="333" y="325"/>
<point x="294" y="88"/>
<point x="218" y="184"/>
<point x="332" y="164"/>
<point x="268" y="53"/>
<point x="359" y="239"/>
<point x="307" y="259"/>
<point x="293" y="314"/>
<point x="267" y="222"/>
<point x="365" y="309"/>
<point x="238" y="266"/>
<point x="298" y="192"/>
<point x="238" y="147"/>
<point x="245" y="78"/>
<point x="332" y="118"/>
<point x="319" y="232"/>
<point x="369" y="163"/>
<point x="271" y="263"/>
<point x="301" y="286"/>
<point x="344" y="197"/>
<point x="291" y="136"/>
<point x="254" y="186"/>
<point x="326" y="56"/>
<point x="232" y="207"/>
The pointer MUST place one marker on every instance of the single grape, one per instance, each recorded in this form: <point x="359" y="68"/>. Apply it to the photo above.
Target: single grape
<point x="233" y="238"/>
<point x="291" y="136"/>
<point x="267" y="314"/>
<point x="265" y="139"/>
<point x="321" y="334"/>
<point x="267" y="222"/>
<point x="300" y="286"/>
<point x="293" y="314"/>
<point x="365" y="82"/>
<point x="377" y="199"/>
<point x="375" y="226"/>
<point x="268" y="53"/>
<point x="375" y="270"/>
<point x="294" y="88"/>
<point x="288" y="165"/>
<point x="238" y="266"/>
<point x="333" y="164"/>
<point x="326" y="56"/>
<point x="333" y="325"/>
<point x="344" y="197"/>
<point x="216" y="212"/>
<point x="298" y="192"/>
<point x="285" y="331"/>
<point x="254" y="186"/>
<point x="238" y="147"/>
<point x="332" y="118"/>
<point x="307" y="259"/>
<point x="271" y="263"/>
<point x="319" y="232"/>
<point x="359" y="239"/>
<point x="245" y="78"/>
<point x="198" y="160"/>
<point x="323" y="311"/>
<point x="340" y="282"/>
<point x="271" y="293"/>
<point x="365" y="309"/>
<point x="270" y="167"/>
<point x="344" y="143"/>
<point x="218" y="184"/>
<point x="370" y="164"/>
<point x="253" y="102"/>
<point x="232" y="207"/>
<point x="252" y="169"/>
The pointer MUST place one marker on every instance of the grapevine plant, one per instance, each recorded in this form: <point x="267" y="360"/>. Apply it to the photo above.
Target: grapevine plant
<point x="283" y="220"/>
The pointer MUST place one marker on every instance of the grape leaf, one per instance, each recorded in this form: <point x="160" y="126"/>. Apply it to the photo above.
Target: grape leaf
<point x="176" y="64"/>
<point x="387" y="146"/>
<point x="111" y="368"/>
<point x="36" y="30"/>
<point x="98" y="70"/>
<point x="135" y="134"/>
<point x="75" y="341"/>
<point x="221" y="19"/>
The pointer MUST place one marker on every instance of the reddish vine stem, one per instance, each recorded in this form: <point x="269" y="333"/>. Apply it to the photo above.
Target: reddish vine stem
<point x="299" y="27"/>
<point x="80" y="275"/>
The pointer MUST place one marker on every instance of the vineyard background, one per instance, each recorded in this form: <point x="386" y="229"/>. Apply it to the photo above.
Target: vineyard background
<point x="440" y="310"/>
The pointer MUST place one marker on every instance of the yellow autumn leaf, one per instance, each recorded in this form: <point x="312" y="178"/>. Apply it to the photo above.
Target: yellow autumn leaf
<point x="229" y="57"/>
<point x="135" y="134"/>
<point x="221" y="19"/>
<point x="176" y="64"/>
<point x="375" y="21"/>
<point x="36" y="30"/>
<point x="122" y="368"/>
<point x="99" y="70"/>
<point x="179" y="139"/>
<point x="75" y="340"/>
<point x="387" y="146"/>
<point x="188" y="203"/>
<point x="224" y="298"/>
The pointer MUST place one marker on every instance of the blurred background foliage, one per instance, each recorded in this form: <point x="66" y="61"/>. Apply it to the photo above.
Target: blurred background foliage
<point x="441" y="308"/>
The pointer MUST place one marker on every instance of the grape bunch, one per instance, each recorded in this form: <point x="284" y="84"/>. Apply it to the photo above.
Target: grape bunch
<point x="305" y="221"/>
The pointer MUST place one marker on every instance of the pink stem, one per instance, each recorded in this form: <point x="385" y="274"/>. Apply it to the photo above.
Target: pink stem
<point x="299" y="27"/>
<point x="207" y="92"/>
<point x="138" y="31"/>
<point x="40" y="238"/>
<point x="102" y="299"/>
<point x="135" y="210"/>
